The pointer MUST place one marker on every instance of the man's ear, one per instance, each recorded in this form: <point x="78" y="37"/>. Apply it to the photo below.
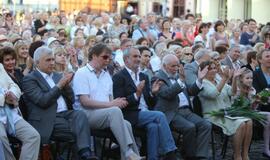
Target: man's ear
<point x="164" y="66"/>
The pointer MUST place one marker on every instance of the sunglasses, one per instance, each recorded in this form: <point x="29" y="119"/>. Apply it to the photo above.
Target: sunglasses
<point x="106" y="57"/>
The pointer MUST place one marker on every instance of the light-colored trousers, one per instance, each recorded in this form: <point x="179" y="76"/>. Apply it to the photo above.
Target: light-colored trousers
<point x="113" y="118"/>
<point x="30" y="141"/>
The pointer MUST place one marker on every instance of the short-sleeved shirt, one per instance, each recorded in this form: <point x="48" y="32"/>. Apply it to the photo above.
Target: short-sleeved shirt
<point x="86" y="82"/>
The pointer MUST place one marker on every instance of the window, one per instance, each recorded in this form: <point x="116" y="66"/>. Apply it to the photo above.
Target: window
<point x="179" y="8"/>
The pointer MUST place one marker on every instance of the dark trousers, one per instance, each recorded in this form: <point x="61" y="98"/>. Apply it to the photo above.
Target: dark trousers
<point x="196" y="132"/>
<point x="72" y="125"/>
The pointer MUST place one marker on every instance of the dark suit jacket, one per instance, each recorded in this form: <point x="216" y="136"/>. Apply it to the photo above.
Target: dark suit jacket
<point x="41" y="101"/>
<point x="123" y="86"/>
<point x="260" y="83"/>
<point x="167" y="97"/>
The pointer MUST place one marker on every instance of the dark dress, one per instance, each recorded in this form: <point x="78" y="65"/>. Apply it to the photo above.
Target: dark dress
<point x="248" y="66"/>
<point x="38" y="24"/>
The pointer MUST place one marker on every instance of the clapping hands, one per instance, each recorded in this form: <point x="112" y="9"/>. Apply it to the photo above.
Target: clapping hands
<point x="10" y="98"/>
<point x="156" y="86"/>
<point x="202" y="73"/>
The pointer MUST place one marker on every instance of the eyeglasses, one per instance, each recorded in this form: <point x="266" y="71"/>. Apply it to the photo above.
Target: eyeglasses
<point x="212" y="68"/>
<point x="216" y="59"/>
<point x="106" y="57"/>
<point x="267" y="35"/>
<point x="237" y="51"/>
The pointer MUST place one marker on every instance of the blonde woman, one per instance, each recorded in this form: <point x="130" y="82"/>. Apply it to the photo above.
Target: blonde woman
<point x="78" y="43"/>
<point x="60" y="58"/>
<point x="24" y="61"/>
<point x="89" y="43"/>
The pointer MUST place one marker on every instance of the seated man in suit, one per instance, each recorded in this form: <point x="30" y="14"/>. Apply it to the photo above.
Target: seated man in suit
<point x="12" y="123"/>
<point x="173" y="100"/>
<point x="232" y="60"/>
<point x="135" y="87"/>
<point x="92" y="85"/>
<point x="49" y="99"/>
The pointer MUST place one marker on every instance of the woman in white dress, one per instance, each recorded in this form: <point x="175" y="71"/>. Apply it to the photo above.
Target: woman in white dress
<point x="217" y="95"/>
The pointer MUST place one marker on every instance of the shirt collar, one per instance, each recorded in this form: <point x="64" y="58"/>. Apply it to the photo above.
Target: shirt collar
<point x="130" y="71"/>
<point x="45" y="75"/>
<point x="91" y="69"/>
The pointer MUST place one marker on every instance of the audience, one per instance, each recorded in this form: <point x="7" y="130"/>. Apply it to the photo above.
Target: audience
<point x="157" y="69"/>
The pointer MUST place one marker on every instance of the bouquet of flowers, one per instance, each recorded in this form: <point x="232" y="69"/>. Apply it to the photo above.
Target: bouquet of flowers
<point x="241" y="107"/>
<point x="263" y="97"/>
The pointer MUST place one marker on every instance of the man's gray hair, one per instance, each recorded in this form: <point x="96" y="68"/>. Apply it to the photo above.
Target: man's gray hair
<point x="167" y="59"/>
<point x="126" y="52"/>
<point x="200" y="53"/>
<point x="234" y="46"/>
<point x="40" y="52"/>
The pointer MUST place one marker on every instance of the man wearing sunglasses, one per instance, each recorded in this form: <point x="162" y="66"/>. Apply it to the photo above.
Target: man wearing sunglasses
<point x="92" y="85"/>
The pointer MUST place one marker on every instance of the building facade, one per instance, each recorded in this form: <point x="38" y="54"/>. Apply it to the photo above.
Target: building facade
<point x="210" y="10"/>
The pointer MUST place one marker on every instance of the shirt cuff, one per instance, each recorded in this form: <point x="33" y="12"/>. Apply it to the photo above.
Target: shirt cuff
<point x="135" y="96"/>
<point x="199" y="84"/>
<point x="181" y="84"/>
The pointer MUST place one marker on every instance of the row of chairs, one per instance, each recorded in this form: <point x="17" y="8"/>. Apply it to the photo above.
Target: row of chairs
<point x="54" y="150"/>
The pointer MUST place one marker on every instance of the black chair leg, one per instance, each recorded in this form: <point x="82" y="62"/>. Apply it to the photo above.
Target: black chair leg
<point x="69" y="154"/>
<point x="213" y="145"/>
<point x="224" y="147"/>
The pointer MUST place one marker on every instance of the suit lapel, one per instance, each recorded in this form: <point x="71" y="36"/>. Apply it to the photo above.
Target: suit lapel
<point x="262" y="78"/>
<point x="41" y="80"/>
<point x="165" y="77"/>
<point x="129" y="79"/>
<point x="56" y="78"/>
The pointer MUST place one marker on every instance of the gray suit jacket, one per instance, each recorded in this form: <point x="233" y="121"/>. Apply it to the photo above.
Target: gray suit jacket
<point x="228" y="62"/>
<point x="191" y="73"/>
<point x="41" y="102"/>
<point x="167" y="97"/>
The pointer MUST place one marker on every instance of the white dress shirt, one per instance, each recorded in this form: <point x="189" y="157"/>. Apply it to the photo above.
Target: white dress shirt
<point x="61" y="104"/>
<point x="136" y="79"/>
<point x="182" y="97"/>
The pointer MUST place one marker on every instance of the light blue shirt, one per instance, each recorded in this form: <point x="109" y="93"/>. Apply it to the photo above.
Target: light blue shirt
<point x="139" y="33"/>
<point x="267" y="77"/>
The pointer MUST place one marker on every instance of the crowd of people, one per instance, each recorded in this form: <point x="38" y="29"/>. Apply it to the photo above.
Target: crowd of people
<point x="63" y="75"/>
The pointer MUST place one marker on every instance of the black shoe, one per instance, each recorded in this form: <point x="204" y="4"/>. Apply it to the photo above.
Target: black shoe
<point x="86" y="154"/>
<point x="170" y="156"/>
<point x="191" y="158"/>
<point x="266" y="155"/>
